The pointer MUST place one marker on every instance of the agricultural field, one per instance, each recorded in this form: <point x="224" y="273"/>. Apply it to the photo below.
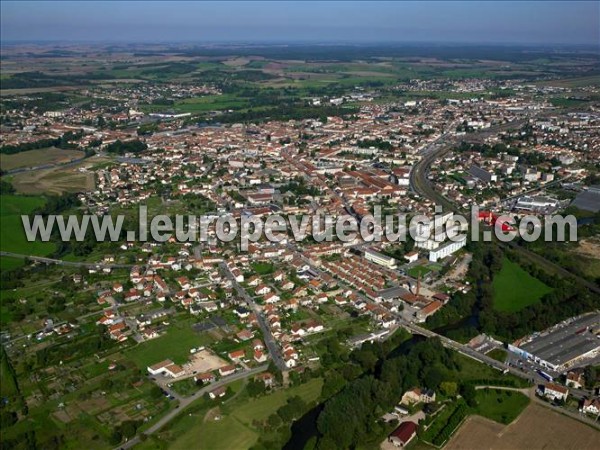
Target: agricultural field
<point x="12" y="235"/>
<point x="514" y="288"/>
<point x="537" y="427"/>
<point x="36" y="158"/>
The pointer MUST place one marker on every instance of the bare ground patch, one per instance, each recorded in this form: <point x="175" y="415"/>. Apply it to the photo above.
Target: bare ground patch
<point x="589" y="247"/>
<point x="73" y="178"/>
<point x="204" y="361"/>
<point x="536" y="428"/>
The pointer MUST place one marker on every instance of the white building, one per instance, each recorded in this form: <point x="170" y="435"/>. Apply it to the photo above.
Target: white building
<point x="447" y="249"/>
<point x="536" y="202"/>
<point x="381" y="259"/>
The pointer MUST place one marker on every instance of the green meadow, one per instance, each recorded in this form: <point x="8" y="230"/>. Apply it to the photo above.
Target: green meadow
<point x="12" y="235"/>
<point x="514" y="288"/>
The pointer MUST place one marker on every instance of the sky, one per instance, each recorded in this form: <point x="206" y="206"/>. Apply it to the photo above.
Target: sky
<point x="518" y="22"/>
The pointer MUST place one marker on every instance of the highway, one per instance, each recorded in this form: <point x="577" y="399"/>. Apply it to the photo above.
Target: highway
<point x="186" y="401"/>
<point x="273" y="347"/>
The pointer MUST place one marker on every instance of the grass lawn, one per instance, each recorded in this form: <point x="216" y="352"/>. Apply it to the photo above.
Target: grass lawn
<point x="262" y="268"/>
<point x="263" y="407"/>
<point x="498" y="354"/>
<point x="500" y="406"/>
<point x="235" y="430"/>
<point x="174" y="345"/>
<point x="418" y="270"/>
<point x="225" y="434"/>
<point x="473" y="370"/>
<point x="12" y="235"/>
<point x="514" y="288"/>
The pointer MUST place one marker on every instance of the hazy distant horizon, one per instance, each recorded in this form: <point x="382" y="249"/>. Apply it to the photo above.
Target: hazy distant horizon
<point x="479" y="23"/>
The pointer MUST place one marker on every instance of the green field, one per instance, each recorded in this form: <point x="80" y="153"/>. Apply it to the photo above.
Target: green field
<point x="514" y="288"/>
<point x="12" y="235"/>
<point x="498" y="354"/>
<point x="500" y="405"/>
<point x="265" y="406"/>
<point x="235" y="430"/>
<point x="8" y="263"/>
<point x="418" y="270"/>
<point x="225" y="434"/>
<point x="174" y="345"/>
<point x="8" y="387"/>
<point x="262" y="268"/>
<point x="471" y="370"/>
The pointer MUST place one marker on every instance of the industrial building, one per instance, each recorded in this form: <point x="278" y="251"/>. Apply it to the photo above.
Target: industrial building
<point x="532" y="203"/>
<point x="563" y="346"/>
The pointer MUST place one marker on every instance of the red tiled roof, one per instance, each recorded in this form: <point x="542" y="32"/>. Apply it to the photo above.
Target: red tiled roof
<point x="405" y="431"/>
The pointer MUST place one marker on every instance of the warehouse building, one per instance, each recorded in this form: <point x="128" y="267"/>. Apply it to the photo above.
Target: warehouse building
<point x="566" y="345"/>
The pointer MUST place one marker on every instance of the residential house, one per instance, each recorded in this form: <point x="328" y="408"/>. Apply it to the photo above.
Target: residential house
<point x="404" y="434"/>
<point x="418" y="395"/>
<point x="590" y="406"/>
<point x="218" y="392"/>
<point x="574" y="379"/>
<point x="259" y="356"/>
<point x="237" y="355"/>
<point x="205" y="378"/>
<point x="554" y="391"/>
<point x="227" y="370"/>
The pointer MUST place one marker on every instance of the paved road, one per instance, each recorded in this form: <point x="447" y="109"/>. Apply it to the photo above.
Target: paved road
<point x="421" y="185"/>
<point x="186" y="401"/>
<point x="273" y="347"/>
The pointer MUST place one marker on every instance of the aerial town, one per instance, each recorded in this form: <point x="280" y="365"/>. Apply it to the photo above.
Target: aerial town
<point x="424" y="342"/>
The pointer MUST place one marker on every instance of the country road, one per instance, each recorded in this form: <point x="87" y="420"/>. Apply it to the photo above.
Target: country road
<point x="62" y="262"/>
<point x="186" y="401"/>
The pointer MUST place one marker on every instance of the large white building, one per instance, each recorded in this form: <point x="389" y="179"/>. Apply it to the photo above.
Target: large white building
<point x="381" y="259"/>
<point x="447" y="249"/>
<point x="536" y="202"/>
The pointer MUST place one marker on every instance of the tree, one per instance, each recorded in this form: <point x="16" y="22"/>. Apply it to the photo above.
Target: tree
<point x="467" y="391"/>
<point x="255" y="388"/>
<point x="128" y="428"/>
<point x="589" y="375"/>
<point x="155" y="392"/>
<point x="274" y="421"/>
<point x="115" y="438"/>
<point x="448" y="388"/>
